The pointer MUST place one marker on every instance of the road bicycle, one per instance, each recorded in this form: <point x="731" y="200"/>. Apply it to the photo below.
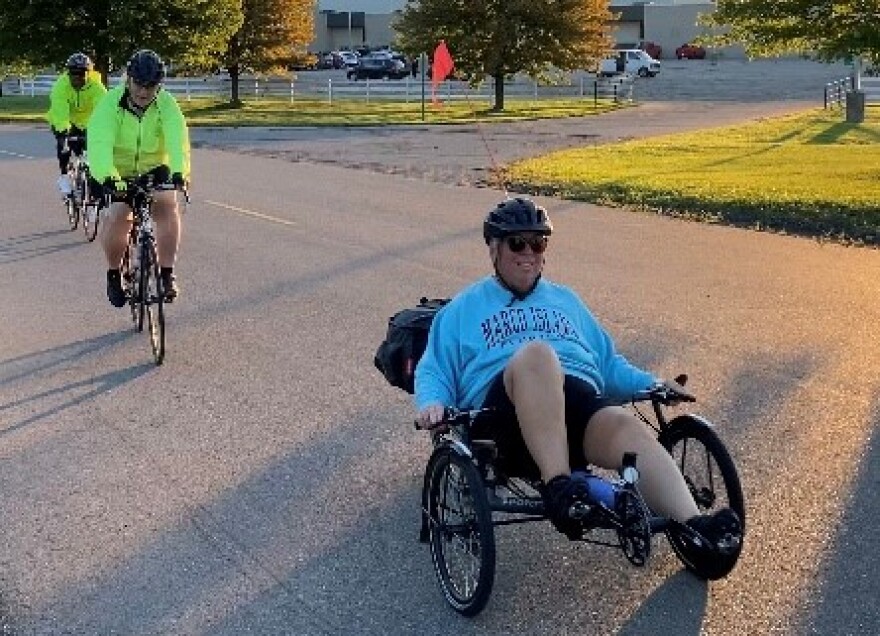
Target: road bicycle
<point x="140" y="271"/>
<point x="467" y="494"/>
<point x="79" y="204"/>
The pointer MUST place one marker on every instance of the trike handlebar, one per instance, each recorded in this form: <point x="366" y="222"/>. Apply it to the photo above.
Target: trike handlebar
<point x="658" y="394"/>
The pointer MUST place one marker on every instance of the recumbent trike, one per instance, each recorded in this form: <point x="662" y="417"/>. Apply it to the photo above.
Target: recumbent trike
<point x="466" y="494"/>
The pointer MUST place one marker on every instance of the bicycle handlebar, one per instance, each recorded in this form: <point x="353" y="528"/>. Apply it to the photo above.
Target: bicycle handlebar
<point x="145" y="184"/>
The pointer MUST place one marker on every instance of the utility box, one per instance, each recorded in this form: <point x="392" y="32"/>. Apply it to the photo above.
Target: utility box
<point x="855" y="107"/>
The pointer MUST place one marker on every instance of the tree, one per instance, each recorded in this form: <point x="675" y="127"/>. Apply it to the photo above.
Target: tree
<point x="45" y="32"/>
<point x="825" y="29"/>
<point x="271" y="37"/>
<point x="497" y="38"/>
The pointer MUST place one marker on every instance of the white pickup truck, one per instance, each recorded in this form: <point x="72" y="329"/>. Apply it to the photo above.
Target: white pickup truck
<point x="632" y="61"/>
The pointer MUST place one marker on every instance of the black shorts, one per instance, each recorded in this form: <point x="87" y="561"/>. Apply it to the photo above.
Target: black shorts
<point x="514" y="459"/>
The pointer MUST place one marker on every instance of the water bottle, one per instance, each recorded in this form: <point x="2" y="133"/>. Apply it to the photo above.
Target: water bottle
<point x="602" y="492"/>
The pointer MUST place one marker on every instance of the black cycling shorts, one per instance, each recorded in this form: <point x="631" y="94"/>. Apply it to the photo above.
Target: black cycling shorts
<point x="581" y="404"/>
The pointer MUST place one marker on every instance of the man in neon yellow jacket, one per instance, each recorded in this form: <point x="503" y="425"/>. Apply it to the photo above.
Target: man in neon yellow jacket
<point x="71" y="102"/>
<point x="136" y="129"/>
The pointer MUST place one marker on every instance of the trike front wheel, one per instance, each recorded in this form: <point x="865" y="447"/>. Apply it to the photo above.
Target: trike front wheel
<point x="713" y="481"/>
<point x="461" y="534"/>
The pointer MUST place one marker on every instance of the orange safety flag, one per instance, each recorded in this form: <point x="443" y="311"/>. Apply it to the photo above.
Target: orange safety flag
<point x="440" y="68"/>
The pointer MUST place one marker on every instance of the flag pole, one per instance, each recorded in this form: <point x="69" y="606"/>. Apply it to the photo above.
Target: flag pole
<point x="423" y="67"/>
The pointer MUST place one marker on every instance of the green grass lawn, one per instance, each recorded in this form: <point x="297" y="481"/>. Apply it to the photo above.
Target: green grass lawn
<point x="811" y="174"/>
<point x="342" y="112"/>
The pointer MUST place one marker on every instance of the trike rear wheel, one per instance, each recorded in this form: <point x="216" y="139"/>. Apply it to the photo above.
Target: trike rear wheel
<point x="713" y="480"/>
<point x="461" y="534"/>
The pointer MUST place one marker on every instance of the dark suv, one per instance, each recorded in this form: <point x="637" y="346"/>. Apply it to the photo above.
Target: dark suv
<point x="378" y="67"/>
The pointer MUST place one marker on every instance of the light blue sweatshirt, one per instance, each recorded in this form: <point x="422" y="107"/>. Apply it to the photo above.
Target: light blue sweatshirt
<point x="473" y="337"/>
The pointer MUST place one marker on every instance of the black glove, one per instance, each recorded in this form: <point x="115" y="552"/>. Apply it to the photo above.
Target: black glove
<point x="111" y="187"/>
<point x="178" y="181"/>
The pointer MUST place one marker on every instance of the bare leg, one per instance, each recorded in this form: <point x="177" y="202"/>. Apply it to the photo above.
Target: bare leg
<point x="167" y="227"/>
<point x="614" y="431"/>
<point x="114" y="233"/>
<point x="533" y="380"/>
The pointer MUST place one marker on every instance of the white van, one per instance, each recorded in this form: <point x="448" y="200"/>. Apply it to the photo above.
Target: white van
<point x="631" y="61"/>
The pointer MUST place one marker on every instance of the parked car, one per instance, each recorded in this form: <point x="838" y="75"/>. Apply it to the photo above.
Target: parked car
<point x="378" y="67"/>
<point x="651" y="48"/>
<point x="632" y="61"/>
<point x="689" y="51"/>
<point x="330" y="60"/>
<point x="349" y="59"/>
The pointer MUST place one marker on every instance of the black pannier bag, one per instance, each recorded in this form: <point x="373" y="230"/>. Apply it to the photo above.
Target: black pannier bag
<point x="405" y="342"/>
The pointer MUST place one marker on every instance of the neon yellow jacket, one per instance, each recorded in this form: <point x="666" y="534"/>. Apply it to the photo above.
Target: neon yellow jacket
<point x="121" y="145"/>
<point x="70" y="106"/>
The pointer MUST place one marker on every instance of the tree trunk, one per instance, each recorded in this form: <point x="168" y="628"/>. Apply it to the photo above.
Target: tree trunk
<point x="233" y="80"/>
<point x="499" y="92"/>
<point x="102" y="65"/>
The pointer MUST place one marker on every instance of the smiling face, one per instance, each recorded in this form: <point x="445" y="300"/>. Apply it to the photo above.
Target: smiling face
<point x="519" y="259"/>
<point x="142" y="96"/>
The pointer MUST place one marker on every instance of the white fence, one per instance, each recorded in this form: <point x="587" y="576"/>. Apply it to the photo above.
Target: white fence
<point x="409" y="89"/>
<point x="871" y="88"/>
<point x="835" y="92"/>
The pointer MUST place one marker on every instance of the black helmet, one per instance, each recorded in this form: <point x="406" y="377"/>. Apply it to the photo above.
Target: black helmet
<point x="79" y="62"/>
<point x="516" y="215"/>
<point x="146" y="68"/>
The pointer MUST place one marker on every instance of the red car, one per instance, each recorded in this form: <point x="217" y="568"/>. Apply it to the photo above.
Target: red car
<point x="690" y="52"/>
<point x="651" y="48"/>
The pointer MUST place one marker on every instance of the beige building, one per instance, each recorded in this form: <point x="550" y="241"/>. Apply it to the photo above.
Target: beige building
<point x="348" y="24"/>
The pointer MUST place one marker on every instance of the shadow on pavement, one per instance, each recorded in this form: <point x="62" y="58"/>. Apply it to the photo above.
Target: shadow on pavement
<point x="846" y="601"/>
<point x="678" y="605"/>
<point x="15" y="249"/>
<point x="100" y="384"/>
<point x="324" y="541"/>
<point x="28" y="365"/>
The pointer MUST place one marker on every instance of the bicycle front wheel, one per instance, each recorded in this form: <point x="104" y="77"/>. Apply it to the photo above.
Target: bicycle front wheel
<point x="72" y="210"/>
<point x="90" y="221"/>
<point x="713" y="481"/>
<point x="130" y="279"/>
<point x="90" y="211"/>
<point x="461" y="534"/>
<point x="154" y="302"/>
<point x="141" y="285"/>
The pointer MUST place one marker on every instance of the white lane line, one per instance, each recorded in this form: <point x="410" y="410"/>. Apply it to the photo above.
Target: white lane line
<point x="15" y="154"/>
<point x="265" y="217"/>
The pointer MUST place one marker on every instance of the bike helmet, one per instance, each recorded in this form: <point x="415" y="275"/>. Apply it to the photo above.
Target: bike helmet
<point x="79" y="62"/>
<point x="146" y="68"/>
<point x="516" y="215"/>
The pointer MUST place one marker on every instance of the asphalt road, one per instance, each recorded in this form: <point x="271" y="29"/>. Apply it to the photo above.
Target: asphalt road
<point x="265" y="480"/>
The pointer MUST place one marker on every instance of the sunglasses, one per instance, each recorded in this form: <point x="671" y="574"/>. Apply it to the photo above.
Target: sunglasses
<point x="518" y="243"/>
<point x="146" y="85"/>
<point x="77" y="73"/>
